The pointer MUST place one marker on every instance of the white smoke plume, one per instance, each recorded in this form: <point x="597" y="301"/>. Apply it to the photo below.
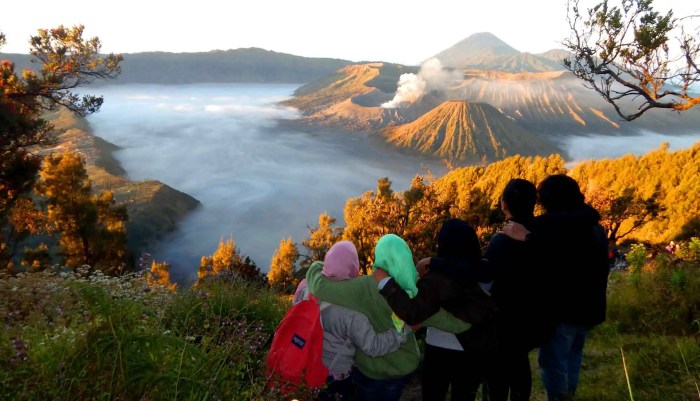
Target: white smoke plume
<point x="431" y="77"/>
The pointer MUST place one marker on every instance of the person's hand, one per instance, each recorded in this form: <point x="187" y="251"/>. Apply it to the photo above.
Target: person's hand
<point x="515" y="230"/>
<point x="380" y="274"/>
<point x="422" y="266"/>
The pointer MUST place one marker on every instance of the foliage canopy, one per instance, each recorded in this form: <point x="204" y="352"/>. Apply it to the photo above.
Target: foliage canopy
<point x="67" y="61"/>
<point x="634" y="56"/>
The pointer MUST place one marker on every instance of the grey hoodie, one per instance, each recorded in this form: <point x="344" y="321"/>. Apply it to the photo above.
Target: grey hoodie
<point x="344" y="330"/>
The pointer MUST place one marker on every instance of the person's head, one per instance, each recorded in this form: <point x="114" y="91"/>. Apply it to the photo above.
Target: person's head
<point x="560" y="193"/>
<point x="393" y="255"/>
<point x="341" y="261"/>
<point x="519" y="198"/>
<point x="458" y="240"/>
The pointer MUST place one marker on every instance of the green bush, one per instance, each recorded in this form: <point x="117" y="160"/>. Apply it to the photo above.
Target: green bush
<point x="691" y="250"/>
<point x="636" y="257"/>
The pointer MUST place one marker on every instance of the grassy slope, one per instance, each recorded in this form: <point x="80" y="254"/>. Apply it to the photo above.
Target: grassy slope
<point x="75" y="337"/>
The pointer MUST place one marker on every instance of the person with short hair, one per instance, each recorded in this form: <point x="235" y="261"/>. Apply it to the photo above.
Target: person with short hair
<point x="574" y="249"/>
<point x="518" y="290"/>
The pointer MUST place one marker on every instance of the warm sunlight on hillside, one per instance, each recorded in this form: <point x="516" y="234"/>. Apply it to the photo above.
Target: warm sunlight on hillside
<point x="467" y="131"/>
<point x="350" y="82"/>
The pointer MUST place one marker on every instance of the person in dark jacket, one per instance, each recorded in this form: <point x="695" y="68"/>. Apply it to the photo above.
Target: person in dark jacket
<point x="574" y="249"/>
<point x="518" y="288"/>
<point x="450" y="361"/>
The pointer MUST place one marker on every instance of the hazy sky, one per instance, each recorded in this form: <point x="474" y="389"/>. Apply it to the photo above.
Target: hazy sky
<point x="358" y="30"/>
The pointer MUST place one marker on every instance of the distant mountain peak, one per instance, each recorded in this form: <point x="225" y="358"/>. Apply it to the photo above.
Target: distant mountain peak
<point x="485" y="51"/>
<point x="477" y="46"/>
<point x="487" y="40"/>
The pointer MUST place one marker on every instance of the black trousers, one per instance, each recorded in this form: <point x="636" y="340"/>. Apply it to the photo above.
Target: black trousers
<point x="445" y="368"/>
<point x="510" y="373"/>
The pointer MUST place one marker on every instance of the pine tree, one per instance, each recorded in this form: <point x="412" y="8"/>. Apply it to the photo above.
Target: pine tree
<point x="67" y="62"/>
<point x="635" y="57"/>
<point x="91" y="227"/>
<point x="623" y="213"/>
<point x="369" y="217"/>
<point x="64" y="182"/>
<point x="112" y="254"/>
<point x="322" y="238"/>
<point x="24" y="220"/>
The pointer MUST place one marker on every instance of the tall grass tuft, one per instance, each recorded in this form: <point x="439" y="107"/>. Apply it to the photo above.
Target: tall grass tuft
<point x="627" y="376"/>
<point x="88" y="336"/>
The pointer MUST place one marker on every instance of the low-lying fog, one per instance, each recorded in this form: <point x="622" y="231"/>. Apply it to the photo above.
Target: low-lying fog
<point x="258" y="182"/>
<point x="601" y="146"/>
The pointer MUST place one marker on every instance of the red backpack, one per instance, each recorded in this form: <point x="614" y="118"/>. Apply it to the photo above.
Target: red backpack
<point x="295" y="357"/>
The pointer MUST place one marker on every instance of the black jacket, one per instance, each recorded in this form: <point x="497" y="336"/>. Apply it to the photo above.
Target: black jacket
<point x="574" y="250"/>
<point x="520" y="290"/>
<point x="465" y="300"/>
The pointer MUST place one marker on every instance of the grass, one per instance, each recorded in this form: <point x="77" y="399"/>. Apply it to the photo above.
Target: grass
<point x="73" y="337"/>
<point x="78" y="336"/>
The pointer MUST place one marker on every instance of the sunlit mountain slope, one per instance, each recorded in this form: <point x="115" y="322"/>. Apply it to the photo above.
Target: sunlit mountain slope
<point x="484" y="51"/>
<point x="463" y="130"/>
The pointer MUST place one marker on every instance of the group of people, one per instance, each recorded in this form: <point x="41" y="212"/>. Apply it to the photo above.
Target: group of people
<point x="541" y="283"/>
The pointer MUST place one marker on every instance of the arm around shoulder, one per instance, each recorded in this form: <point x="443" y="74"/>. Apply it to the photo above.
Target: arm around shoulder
<point x="412" y="310"/>
<point x="347" y="293"/>
<point x="370" y="342"/>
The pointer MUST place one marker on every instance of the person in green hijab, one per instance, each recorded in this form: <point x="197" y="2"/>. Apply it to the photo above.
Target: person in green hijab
<point x="457" y="363"/>
<point x="381" y="378"/>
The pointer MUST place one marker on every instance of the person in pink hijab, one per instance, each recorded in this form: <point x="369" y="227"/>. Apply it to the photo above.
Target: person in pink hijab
<point x="341" y="263"/>
<point x="344" y="329"/>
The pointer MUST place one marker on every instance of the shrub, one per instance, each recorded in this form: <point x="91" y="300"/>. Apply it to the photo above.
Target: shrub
<point x="636" y="257"/>
<point x="665" y="300"/>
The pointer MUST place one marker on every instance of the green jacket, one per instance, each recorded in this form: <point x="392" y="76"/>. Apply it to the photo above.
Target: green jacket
<point x="361" y="294"/>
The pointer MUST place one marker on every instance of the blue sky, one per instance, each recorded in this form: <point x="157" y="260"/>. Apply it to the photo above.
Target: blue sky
<point x="358" y="30"/>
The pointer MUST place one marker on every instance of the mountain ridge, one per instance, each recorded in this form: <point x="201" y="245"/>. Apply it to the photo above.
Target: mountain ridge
<point x="485" y="51"/>
<point x="249" y="65"/>
<point x="467" y="131"/>
<point x="551" y="104"/>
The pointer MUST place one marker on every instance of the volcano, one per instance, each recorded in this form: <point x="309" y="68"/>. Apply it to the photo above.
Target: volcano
<point x="467" y="131"/>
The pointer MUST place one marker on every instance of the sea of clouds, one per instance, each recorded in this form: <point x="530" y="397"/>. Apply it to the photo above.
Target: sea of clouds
<point x="258" y="183"/>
